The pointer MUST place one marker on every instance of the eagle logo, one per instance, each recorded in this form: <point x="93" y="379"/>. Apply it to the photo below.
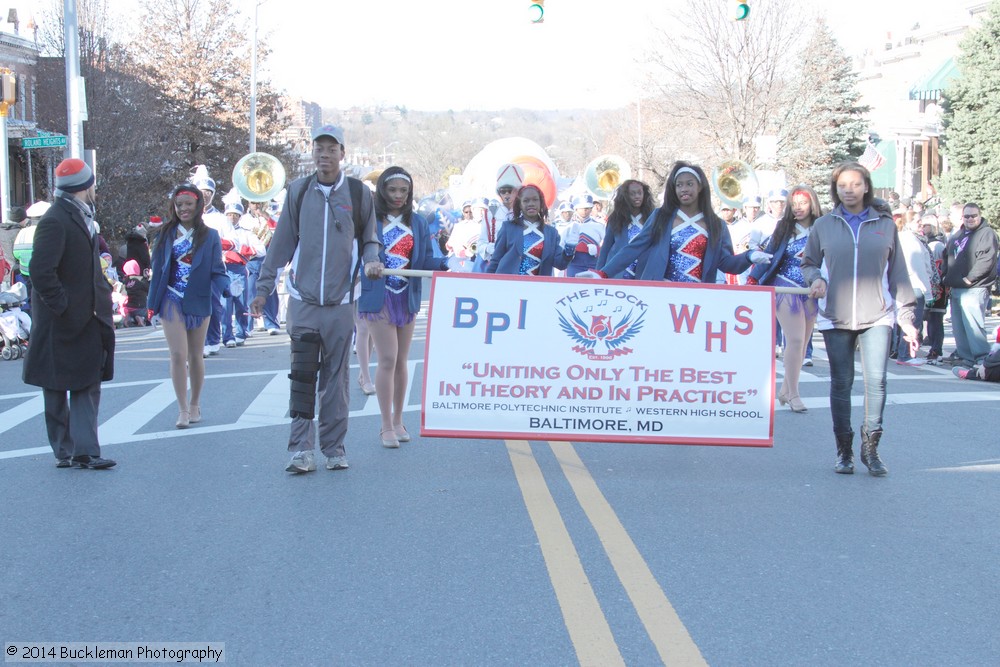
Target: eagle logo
<point x="602" y="339"/>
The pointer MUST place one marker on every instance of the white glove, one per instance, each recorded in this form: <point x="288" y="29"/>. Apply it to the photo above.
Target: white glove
<point x="592" y="249"/>
<point x="490" y="247"/>
<point x="588" y="274"/>
<point x="760" y="257"/>
<point x="155" y="320"/>
<point x="572" y="235"/>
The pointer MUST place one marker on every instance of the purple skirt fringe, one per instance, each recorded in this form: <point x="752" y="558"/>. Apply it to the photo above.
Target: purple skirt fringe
<point x="395" y="309"/>
<point x="172" y="311"/>
<point x="797" y="303"/>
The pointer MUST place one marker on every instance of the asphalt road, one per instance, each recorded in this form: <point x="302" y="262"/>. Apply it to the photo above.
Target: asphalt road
<point x="449" y="552"/>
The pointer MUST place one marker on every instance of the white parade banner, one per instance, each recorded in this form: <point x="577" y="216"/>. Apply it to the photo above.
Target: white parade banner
<point x="599" y="360"/>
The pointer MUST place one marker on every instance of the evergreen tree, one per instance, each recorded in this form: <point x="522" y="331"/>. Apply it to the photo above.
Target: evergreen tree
<point x="823" y="122"/>
<point x="971" y="121"/>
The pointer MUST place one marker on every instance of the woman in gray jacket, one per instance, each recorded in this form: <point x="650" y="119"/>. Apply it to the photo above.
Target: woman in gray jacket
<point x="853" y="263"/>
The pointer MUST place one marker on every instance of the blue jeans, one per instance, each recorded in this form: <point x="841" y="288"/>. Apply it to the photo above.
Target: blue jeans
<point x="840" y="344"/>
<point x="902" y="346"/>
<point x="968" y="322"/>
<point x="237" y="313"/>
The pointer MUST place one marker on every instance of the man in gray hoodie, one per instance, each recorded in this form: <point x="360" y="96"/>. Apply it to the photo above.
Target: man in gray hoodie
<point x="320" y="237"/>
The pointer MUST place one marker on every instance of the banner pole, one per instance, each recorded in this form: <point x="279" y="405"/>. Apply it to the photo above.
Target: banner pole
<point x="413" y="273"/>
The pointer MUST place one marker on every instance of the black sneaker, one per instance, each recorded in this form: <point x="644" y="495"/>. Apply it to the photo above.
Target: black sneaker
<point x="64" y="463"/>
<point x="93" y="462"/>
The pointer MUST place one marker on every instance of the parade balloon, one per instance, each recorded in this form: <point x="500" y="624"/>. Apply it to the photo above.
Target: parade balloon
<point x="536" y="173"/>
<point x="479" y="177"/>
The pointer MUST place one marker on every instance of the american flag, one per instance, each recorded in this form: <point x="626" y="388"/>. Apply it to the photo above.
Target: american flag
<point x="871" y="159"/>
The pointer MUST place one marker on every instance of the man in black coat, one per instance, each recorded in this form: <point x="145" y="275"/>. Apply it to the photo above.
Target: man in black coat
<point x="72" y="330"/>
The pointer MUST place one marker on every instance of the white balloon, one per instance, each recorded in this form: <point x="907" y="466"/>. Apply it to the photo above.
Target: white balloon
<point x="480" y="176"/>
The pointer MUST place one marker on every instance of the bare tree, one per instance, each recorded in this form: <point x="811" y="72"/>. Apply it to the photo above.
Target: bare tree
<point x="159" y="105"/>
<point x="121" y="109"/>
<point x="198" y="57"/>
<point x="722" y="77"/>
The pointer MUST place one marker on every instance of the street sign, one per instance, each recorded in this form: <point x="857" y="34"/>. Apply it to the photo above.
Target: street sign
<point x="54" y="141"/>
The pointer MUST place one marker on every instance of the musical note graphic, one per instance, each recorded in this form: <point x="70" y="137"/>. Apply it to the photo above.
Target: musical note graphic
<point x="588" y="309"/>
<point x="602" y="303"/>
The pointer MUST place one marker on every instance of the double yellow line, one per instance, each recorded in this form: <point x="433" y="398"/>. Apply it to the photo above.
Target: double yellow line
<point x="587" y="625"/>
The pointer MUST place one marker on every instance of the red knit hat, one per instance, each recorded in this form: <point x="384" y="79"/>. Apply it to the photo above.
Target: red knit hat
<point x="74" y="175"/>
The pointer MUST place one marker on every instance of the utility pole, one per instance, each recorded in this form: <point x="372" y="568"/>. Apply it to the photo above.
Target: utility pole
<point x="253" y="80"/>
<point x="75" y="106"/>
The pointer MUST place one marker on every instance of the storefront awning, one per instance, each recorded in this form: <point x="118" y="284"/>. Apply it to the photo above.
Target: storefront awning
<point x="932" y="86"/>
<point x="884" y="175"/>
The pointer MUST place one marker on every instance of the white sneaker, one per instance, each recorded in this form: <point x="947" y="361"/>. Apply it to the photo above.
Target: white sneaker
<point x="301" y="462"/>
<point x="336" y="463"/>
<point x="231" y="343"/>
<point x="807" y="362"/>
<point x="213" y="349"/>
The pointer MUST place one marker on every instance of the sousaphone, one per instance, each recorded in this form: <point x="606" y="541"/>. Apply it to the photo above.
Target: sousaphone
<point x="733" y="181"/>
<point x="258" y="177"/>
<point x="604" y="174"/>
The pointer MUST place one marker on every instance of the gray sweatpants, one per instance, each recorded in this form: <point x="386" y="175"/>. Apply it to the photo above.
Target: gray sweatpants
<point x="335" y="325"/>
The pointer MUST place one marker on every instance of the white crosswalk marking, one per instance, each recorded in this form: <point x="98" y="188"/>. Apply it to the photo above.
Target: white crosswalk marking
<point x="22" y="413"/>
<point x="268" y="408"/>
<point x="123" y="426"/>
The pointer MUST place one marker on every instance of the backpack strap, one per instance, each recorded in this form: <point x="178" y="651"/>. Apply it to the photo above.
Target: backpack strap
<point x="298" y="202"/>
<point x="358" y="202"/>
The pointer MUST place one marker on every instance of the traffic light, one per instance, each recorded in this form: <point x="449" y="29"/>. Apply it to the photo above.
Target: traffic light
<point x="537" y="11"/>
<point x="740" y="10"/>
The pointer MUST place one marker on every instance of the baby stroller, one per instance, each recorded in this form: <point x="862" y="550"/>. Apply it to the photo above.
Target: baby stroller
<point x="14" y="324"/>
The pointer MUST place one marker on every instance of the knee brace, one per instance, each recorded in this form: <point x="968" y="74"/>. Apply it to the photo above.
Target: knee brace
<point x="306" y="350"/>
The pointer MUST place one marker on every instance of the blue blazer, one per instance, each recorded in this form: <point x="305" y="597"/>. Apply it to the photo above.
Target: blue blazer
<point x="510" y="248"/>
<point x="764" y="273"/>
<point x="719" y="257"/>
<point x="207" y="271"/>
<point x="612" y="244"/>
<point x="422" y="259"/>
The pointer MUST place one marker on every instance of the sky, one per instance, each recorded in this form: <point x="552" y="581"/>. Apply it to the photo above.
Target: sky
<point x="487" y="54"/>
